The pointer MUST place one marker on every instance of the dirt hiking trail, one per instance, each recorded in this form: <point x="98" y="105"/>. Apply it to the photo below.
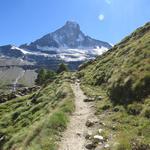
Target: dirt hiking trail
<point x="74" y="136"/>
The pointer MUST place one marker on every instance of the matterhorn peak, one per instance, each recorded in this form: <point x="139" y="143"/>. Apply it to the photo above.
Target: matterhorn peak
<point x="72" y="24"/>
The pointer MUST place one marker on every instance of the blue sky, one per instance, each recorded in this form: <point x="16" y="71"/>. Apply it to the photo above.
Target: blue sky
<point x="23" y="21"/>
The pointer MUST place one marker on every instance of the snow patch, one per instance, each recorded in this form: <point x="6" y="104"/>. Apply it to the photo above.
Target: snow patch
<point x="28" y="52"/>
<point x="100" y="50"/>
<point x="22" y="50"/>
<point x="66" y="54"/>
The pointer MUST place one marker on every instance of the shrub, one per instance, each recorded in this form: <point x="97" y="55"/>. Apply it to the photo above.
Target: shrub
<point x="128" y="92"/>
<point x="134" y="109"/>
<point x="100" y="78"/>
<point x="44" y="75"/>
<point x="62" y="68"/>
<point x="15" y="115"/>
<point x="147" y="113"/>
<point x="80" y="74"/>
<point x="121" y="93"/>
<point x="106" y="107"/>
<point x="141" y="88"/>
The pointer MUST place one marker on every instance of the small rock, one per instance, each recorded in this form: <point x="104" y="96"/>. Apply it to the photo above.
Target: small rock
<point x="89" y="99"/>
<point x="99" y="98"/>
<point x="106" y="146"/>
<point x="90" y="145"/>
<point x="114" y="127"/>
<point x="2" y="138"/>
<point x="102" y="123"/>
<point x="91" y="122"/>
<point x="100" y="131"/>
<point x="98" y="138"/>
<point x="116" y="109"/>
<point x="78" y="134"/>
<point x="88" y="135"/>
<point x="78" y="80"/>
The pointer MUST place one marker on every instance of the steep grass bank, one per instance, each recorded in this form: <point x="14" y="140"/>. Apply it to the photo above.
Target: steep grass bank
<point x="36" y="121"/>
<point x="123" y="71"/>
<point x="122" y="77"/>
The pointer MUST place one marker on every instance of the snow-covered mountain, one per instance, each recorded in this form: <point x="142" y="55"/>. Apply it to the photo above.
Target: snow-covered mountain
<point x="68" y="36"/>
<point x="67" y="44"/>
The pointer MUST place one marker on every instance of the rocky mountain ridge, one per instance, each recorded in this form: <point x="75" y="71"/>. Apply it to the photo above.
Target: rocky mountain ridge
<point x="69" y="36"/>
<point x="68" y="44"/>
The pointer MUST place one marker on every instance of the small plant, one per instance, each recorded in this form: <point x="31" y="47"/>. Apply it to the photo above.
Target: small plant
<point x="123" y="143"/>
<point x="106" y="107"/>
<point x="15" y="115"/>
<point x="134" y="109"/>
<point x="141" y="88"/>
<point x="147" y="113"/>
<point x="58" y="121"/>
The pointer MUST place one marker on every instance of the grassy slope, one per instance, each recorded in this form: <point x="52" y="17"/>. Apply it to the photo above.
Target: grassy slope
<point x="124" y="69"/>
<point x="122" y="77"/>
<point x="36" y="121"/>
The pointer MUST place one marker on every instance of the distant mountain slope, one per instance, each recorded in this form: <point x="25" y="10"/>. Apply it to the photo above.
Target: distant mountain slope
<point x="124" y="71"/>
<point x="68" y="36"/>
<point x="68" y="44"/>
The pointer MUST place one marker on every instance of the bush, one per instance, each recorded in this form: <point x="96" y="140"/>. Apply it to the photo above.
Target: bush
<point x="121" y="93"/>
<point x="44" y="75"/>
<point x="134" y="109"/>
<point x="62" y="68"/>
<point x="80" y="74"/>
<point x="106" y="107"/>
<point x="127" y="92"/>
<point x="15" y="115"/>
<point x="141" y="89"/>
<point x="147" y="113"/>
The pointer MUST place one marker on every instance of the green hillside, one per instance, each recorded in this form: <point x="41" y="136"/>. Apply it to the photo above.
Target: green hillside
<point x="121" y="77"/>
<point x="35" y="122"/>
<point x="124" y="71"/>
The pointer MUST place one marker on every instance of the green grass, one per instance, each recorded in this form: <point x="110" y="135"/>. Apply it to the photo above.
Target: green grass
<point x="37" y="120"/>
<point x="122" y="77"/>
<point x="124" y="70"/>
<point x="123" y="125"/>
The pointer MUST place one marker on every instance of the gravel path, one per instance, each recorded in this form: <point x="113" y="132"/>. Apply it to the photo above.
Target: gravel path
<point x="73" y="138"/>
